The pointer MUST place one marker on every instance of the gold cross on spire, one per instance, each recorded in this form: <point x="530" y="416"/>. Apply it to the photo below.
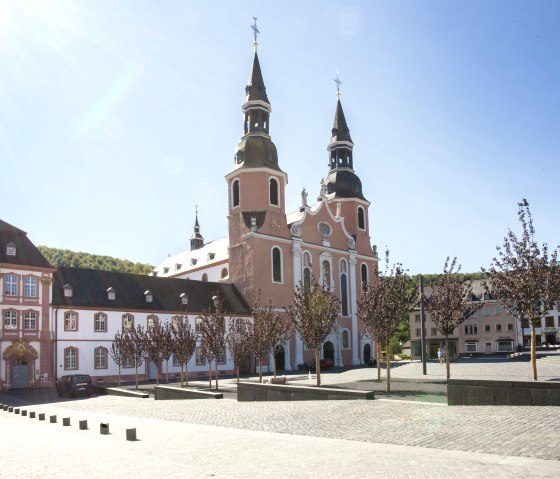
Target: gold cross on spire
<point x="255" y="32"/>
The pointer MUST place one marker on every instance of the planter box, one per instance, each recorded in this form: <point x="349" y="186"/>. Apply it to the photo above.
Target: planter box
<point x="474" y="392"/>
<point x="171" y="392"/>
<point x="280" y="392"/>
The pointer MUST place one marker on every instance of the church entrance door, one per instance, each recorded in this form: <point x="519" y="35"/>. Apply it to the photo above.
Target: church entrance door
<point x="20" y="374"/>
<point x="367" y="353"/>
<point x="328" y="351"/>
<point x="280" y="359"/>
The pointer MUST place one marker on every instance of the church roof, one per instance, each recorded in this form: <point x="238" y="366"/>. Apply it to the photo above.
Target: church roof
<point x="27" y="253"/>
<point x="89" y="289"/>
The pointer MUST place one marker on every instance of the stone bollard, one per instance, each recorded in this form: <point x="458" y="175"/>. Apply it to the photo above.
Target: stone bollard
<point x="24" y="412"/>
<point x="104" y="428"/>
<point x="52" y="419"/>
<point x="5" y="407"/>
<point x="83" y="425"/>
<point x="66" y="421"/>
<point x="16" y="410"/>
<point x="41" y="416"/>
<point x="131" y="434"/>
<point x="32" y="415"/>
<point x="10" y="408"/>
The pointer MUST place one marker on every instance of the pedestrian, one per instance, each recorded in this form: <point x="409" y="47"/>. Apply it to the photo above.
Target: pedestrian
<point x="440" y="355"/>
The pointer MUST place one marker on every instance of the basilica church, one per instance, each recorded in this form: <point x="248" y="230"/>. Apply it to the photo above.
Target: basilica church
<point x="57" y="321"/>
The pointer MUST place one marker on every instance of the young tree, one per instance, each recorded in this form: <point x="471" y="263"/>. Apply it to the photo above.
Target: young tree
<point x="313" y="313"/>
<point x="526" y="277"/>
<point x="166" y="350"/>
<point x="280" y="332"/>
<point x="450" y="303"/>
<point x="183" y="344"/>
<point x="213" y="332"/>
<point x="383" y="305"/>
<point x="136" y="347"/>
<point x="155" y="338"/>
<point x="118" y="351"/>
<point x="264" y="319"/>
<point x="238" y="340"/>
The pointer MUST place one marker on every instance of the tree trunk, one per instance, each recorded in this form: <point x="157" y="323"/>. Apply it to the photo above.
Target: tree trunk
<point x="274" y="360"/>
<point x="137" y="376"/>
<point x="181" y="374"/>
<point x="237" y="369"/>
<point x="157" y="374"/>
<point x="187" y="374"/>
<point x="388" y="388"/>
<point x="260" y="370"/>
<point x="378" y="355"/>
<point x="119" y="375"/>
<point x="318" y="367"/>
<point x="216" y="375"/>
<point x="448" y="366"/>
<point x="167" y="371"/>
<point x="210" y="374"/>
<point x="533" y="351"/>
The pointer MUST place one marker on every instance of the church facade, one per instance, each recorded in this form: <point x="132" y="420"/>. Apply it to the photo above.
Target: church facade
<point x="59" y="321"/>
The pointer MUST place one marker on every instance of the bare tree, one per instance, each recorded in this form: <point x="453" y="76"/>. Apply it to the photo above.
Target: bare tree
<point x="183" y="344"/>
<point x="313" y="313"/>
<point x="264" y="319"/>
<point x="213" y="332"/>
<point x="136" y="347"/>
<point x="118" y="351"/>
<point x="526" y="277"/>
<point x="383" y="305"/>
<point x="450" y="303"/>
<point x="166" y="350"/>
<point x="155" y="337"/>
<point x="238" y="340"/>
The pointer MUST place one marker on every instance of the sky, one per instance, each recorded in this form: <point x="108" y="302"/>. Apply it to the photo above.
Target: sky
<point x="118" y="117"/>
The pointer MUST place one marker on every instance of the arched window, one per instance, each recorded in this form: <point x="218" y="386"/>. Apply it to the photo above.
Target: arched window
<point x="127" y="322"/>
<point x="224" y="273"/>
<point x="343" y="295"/>
<point x="70" y="321"/>
<point x="364" y="275"/>
<point x="276" y="265"/>
<point x="306" y="271"/>
<point x="361" y="218"/>
<point x="205" y="277"/>
<point x="273" y="191"/>
<point x="151" y="321"/>
<point x="71" y="358"/>
<point x="100" y="355"/>
<point x="100" y="322"/>
<point x="235" y="193"/>
<point x="326" y="274"/>
<point x="345" y="339"/>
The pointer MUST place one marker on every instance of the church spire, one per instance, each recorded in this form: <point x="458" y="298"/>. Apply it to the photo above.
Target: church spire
<point x="340" y="146"/>
<point x="197" y="241"/>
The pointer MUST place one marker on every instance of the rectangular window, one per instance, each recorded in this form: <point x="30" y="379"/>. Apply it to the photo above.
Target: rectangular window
<point x="176" y="361"/>
<point x="200" y="359"/>
<point x="128" y="362"/>
<point x="497" y="311"/>
<point x="30" y="286"/>
<point x="418" y="333"/>
<point x="30" y="320"/>
<point x="70" y="321"/>
<point x="504" y="346"/>
<point x="510" y="326"/>
<point x="10" y="320"/>
<point x="71" y="358"/>
<point x="100" y="358"/>
<point x="486" y="328"/>
<point x="434" y="331"/>
<point x="127" y="322"/>
<point x="10" y="250"/>
<point x="417" y="318"/>
<point x="486" y="311"/>
<point x="222" y="357"/>
<point x="549" y="322"/>
<point x="10" y="285"/>
<point x="471" y="346"/>
<point x="498" y="327"/>
<point x="100" y="322"/>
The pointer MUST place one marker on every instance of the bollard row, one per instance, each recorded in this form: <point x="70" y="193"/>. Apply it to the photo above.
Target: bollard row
<point x="82" y="424"/>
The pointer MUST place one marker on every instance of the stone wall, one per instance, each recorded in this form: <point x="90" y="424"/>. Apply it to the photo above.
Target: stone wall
<point x="279" y="392"/>
<point x="476" y="392"/>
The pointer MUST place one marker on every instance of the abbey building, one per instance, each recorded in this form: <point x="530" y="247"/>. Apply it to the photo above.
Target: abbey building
<point x="59" y="321"/>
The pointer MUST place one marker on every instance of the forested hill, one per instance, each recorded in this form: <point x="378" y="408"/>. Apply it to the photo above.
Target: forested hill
<point x="65" y="257"/>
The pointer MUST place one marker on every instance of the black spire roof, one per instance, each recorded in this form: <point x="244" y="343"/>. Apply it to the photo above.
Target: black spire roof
<point x="255" y="89"/>
<point x="197" y="241"/>
<point x="340" y="130"/>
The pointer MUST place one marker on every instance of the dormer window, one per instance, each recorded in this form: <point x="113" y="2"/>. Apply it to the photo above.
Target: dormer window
<point x="11" y="249"/>
<point x="178" y="266"/>
<point x="149" y="296"/>
<point x="165" y="270"/>
<point x="184" y="298"/>
<point x="68" y="291"/>
<point x="193" y="261"/>
<point x="111" y="294"/>
<point x="211" y="256"/>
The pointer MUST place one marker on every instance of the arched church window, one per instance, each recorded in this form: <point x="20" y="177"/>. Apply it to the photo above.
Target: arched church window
<point x="276" y="265"/>
<point x="235" y="193"/>
<point x="326" y="274"/>
<point x="345" y="339"/>
<point x="273" y="189"/>
<point x="205" y="277"/>
<point x="364" y="275"/>
<point x="361" y="218"/>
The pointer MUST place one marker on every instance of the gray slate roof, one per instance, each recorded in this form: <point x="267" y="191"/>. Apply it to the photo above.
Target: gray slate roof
<point x="27" y="253"/>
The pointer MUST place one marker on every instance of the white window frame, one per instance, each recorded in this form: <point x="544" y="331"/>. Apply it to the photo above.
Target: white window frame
<point x="10" y="284"/>
<point x="71" y="358"/>
<point x="11" y="250"/>
<point x="100" y="358"/>
<point x="30" y="320"/>
<point x="100" y="319"/>
<point x="71" y="321"/>
<point x="127" y="322"/>
<point x="471" y="343"/>
<point x="30" y="286"/>
<point x="10" y="319"/>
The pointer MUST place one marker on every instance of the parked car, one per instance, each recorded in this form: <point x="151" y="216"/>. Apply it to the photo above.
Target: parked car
<point x="74" y="385"/>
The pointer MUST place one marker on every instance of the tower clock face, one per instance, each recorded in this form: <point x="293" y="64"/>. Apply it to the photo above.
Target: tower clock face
<point x="276" y="224"/>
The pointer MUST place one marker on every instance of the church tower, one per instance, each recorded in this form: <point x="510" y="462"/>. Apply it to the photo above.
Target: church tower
<point x="197" y="241"/>
<point x="342" y="184"/>
<point x="256" y="186"/>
